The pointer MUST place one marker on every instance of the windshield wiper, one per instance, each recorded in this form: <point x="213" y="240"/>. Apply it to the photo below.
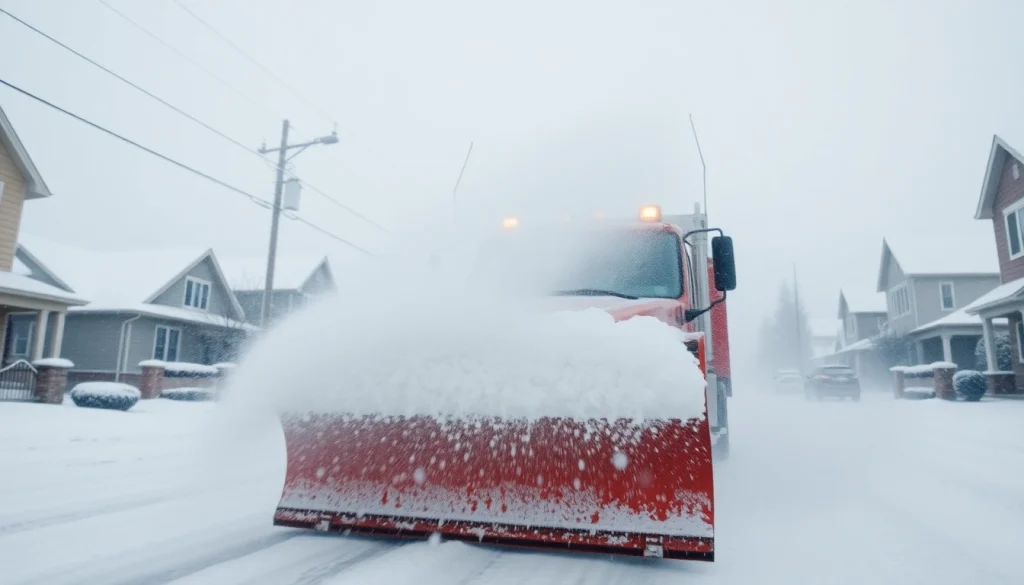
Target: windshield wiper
<point x="594" y="292"/>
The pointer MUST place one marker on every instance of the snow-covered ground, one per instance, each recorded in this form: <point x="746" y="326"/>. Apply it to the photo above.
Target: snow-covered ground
<point x="878" y="492"/>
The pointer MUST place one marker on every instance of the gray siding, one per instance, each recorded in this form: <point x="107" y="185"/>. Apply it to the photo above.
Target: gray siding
<point x="894" y="277"/>
<point x="867" y="324"/>
<point x="90" y="341"/>
<point x="965" y="290"/>
<point x="320" y="283"/>
<point x="219" y="302"/>
<point x="282" y="302"/>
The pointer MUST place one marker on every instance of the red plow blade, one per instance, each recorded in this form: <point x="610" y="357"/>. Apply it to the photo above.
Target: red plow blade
<point x="623" y="487"/>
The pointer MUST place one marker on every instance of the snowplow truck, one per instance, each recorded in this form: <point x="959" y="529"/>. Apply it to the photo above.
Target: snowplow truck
<point x="351" y="474"/>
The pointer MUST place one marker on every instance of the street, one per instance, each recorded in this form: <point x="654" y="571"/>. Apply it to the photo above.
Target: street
<point x="880" y="492"/>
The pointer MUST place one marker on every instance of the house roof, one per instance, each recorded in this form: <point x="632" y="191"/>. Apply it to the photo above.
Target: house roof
<point x="167" y="312"/>
<point x="971" y="251"/>
<point x="1004" y="292"/>
<point x="35" y="186"/>
<point x="23" y="285"/>
<point x="959" y="318"/>
<point x="116" y="279"/>
<point x="993" y="172"/>
<point x="861" y="301"/>
<point x="291" y="272"/>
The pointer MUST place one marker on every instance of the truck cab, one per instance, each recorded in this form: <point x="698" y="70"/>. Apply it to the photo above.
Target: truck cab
<point x="654" y="265"/>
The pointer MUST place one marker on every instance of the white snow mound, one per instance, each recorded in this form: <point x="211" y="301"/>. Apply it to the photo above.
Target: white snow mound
<point x="105" y="389"/>
<point x="443" y="352"/>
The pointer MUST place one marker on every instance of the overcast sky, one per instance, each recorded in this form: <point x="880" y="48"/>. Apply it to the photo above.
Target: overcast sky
<point x="825" y="125"/>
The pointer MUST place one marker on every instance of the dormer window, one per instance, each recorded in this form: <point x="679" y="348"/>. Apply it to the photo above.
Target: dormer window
<point x="197" y="293"/>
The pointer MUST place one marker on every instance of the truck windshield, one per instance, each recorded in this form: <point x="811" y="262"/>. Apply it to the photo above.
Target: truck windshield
<point x="630" y="263"/>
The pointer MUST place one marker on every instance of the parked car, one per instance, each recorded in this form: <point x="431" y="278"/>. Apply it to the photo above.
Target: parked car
<point x="832" y="381"/>
<point x="786" y="381"/>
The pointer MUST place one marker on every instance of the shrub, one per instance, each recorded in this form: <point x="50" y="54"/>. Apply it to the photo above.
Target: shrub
<point x="1004" y="353"/>
<point x="969" y="385"/>
<point x="188" y="394"/>
<point x="108" y="395"/>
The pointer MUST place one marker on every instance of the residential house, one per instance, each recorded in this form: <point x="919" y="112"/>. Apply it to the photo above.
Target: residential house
<point x="297" y="279"/>
<point x="861" y="317"/>
<point x="39" y="303"/>
<point x="1002" y="202"/>
<point x="172" y="305"/>
<point x="928" y="281"/>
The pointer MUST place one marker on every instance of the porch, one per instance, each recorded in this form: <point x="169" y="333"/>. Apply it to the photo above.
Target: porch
<point x="1004" y="303"/>
<point x="43" y="308"/>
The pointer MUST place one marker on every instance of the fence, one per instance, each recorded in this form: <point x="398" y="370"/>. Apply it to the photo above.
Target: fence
<point x="18" y="382"/>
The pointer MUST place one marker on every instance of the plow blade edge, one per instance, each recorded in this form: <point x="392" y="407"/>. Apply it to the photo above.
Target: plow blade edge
<point x="616" y="486"/>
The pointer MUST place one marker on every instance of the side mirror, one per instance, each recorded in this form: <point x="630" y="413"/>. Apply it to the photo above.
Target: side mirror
<point x="724" y="263"/>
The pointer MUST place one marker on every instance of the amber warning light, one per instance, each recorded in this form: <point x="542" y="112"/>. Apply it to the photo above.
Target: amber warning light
<point x="650" y="213"/>
<point x="510" y="223"/>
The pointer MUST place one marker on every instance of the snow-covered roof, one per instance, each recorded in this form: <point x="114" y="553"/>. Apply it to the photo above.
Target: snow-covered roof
<point x="166" y="312"/>
<point x="36" y="187"/>
<point x="968" y="251"/>
<point x="1003" y="292"/>
<point x="122" y="280"/>
<point x="112" y="278"/>
<point x="959" y="318"/>
<point x="22" y="285"/>
<point x="993" y="173"/>
<point x="863" y="301"/>
<point x="291" y="272"/>
<point x="862" y="345"/>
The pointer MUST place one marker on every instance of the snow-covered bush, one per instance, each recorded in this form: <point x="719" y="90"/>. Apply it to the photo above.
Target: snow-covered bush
<point x="108" y="395"/>
<point x="188" y="394"/>
<point x="1004" y="354"/>
<point x="969" y="385"/>
<point x="188" y="370"/>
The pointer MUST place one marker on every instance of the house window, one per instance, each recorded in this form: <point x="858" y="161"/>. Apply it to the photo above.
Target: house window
<point x="946" y="296"/>
<point x="167" y="344"/>
<point x="899" y="301"/>
<point x="197" y="293"/>
<point x="1020" y="341"/>
<point x="1014" y="236"/>
<point x="23" y="340"/>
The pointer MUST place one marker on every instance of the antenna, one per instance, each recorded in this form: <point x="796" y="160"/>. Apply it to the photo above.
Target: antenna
<point x="455" y="190"/>
<point x="704" y="167"/>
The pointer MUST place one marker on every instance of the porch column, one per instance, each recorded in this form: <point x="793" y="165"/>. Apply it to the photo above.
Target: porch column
<point x="42" y="319"/>
<point x="58" y="335"/>
<point x="919" y="349"/>
<point x="947" y="349"/>
<point x="990" y="344"/>
<point x="4" y="315"/>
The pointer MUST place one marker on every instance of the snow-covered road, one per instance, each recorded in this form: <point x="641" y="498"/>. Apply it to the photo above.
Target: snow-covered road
<point x="820" y="493"/>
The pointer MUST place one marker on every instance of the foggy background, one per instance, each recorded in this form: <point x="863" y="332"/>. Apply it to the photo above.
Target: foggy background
<point x="825" y="125"/>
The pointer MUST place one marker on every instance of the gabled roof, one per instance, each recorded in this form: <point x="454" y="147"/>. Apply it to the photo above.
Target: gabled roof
<point x="970" y="252"/>
<point x="993" y="172"/>
<point x="35" y="186"/>
<point x="118" y="279"/>
<point x="861" y="301"/>
<point x="291" y="272"/>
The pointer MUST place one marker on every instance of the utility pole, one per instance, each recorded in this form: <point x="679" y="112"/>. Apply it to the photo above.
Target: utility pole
<point x="275" y="220"/>
<point x="455" y="190"/>
<point x="799" y="329"/>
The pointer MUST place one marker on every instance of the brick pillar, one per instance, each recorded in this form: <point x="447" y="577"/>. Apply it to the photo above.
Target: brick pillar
<point x="152" y="381"/>
<point x="944" y="383"/>
<point x="51" y="380"/>
<point x="897" y="382"/>
<point x="1001" y="383"/>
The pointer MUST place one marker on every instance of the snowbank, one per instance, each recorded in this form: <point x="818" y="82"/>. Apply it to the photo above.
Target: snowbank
<point x="444" y="351"/>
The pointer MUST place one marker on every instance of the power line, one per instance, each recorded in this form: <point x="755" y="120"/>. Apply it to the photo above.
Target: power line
<point x="193" y="62"/>
<point x="252" y="60"/>
<point x="188" y="116"/>
<point x="253" y="198"/>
